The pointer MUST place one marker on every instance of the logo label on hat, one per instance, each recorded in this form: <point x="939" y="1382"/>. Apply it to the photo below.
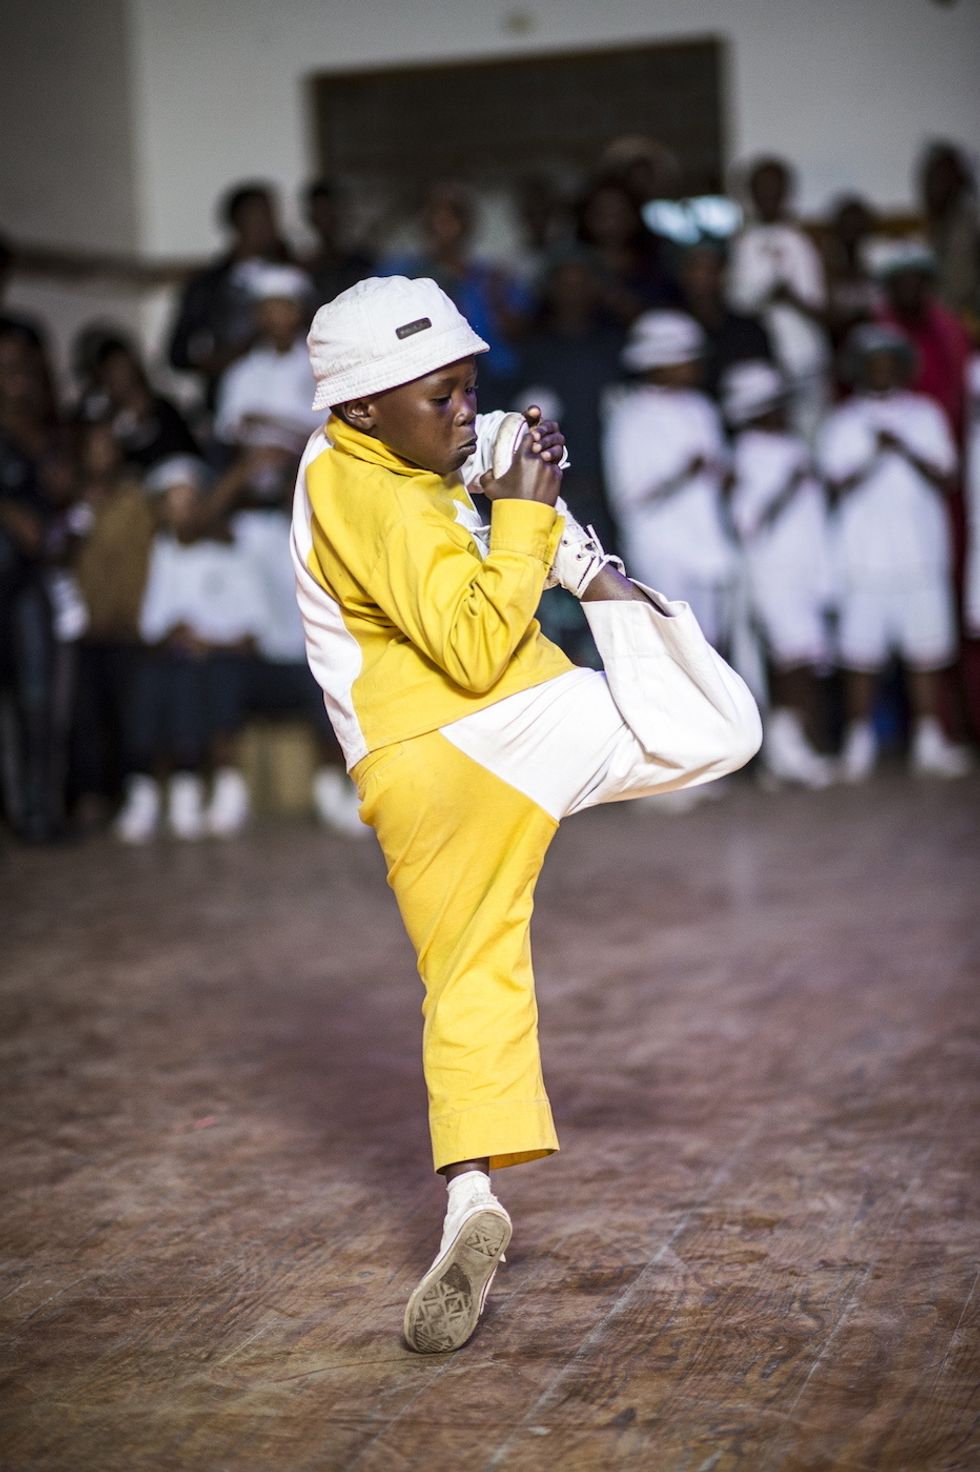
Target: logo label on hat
<point x="411" y="328"/>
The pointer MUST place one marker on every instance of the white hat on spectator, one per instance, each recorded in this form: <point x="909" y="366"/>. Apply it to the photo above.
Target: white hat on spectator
<point x="383" y="332"/>
<point x="661" y="339"/>
<point x="751" y="389"/>
<point x="285" y="283"/>
<point x="176" y="470"/>
<point x="908" y="253"/>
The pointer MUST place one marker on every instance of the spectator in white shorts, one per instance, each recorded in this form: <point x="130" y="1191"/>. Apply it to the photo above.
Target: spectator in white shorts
<point x="889" y="460"/>
<point x="779" y="513"/>
<point x="664" y="459"/>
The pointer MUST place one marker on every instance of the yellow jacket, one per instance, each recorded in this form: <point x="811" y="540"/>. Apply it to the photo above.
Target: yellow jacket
<point x="410" y="622"/>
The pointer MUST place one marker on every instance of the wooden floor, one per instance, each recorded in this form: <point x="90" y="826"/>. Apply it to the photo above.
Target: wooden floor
<point x="758" y="1248"/>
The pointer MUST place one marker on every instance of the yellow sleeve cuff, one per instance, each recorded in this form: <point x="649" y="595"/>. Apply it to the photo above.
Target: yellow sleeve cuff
<point x="531" y="527"/>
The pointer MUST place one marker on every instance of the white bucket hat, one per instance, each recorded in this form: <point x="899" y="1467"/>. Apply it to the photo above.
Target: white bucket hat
<point x="751" y="389"/>
<point x="286" y="283"/>
<point x="176" y="470"/>
<point x="661" y="339"/>
<point x="383" y="332"/>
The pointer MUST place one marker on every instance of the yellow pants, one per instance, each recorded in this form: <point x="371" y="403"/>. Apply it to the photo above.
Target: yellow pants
<point x="464" y="850"/>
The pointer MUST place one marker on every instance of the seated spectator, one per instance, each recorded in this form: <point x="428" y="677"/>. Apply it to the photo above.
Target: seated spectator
<point x="779" y="514"/>
<point x="889" y="460"/>
<point x="949" y="200"/>
<point x="939" y="339"/>
<point x="628" y="258"/>
<point x="256" y="491"/>
<point x="333" y="264"/>
<point x="271" y="388"/>
<point x="775" y="270"/>
<point x="115" y="388"/>
<point x="664" y="458"/>
<point x="115" y="523"/>
<point x="853" y="294"/>
<point x="202" y="613"/>
<point x="31" y="672"/>
<point x="215" y="322"/>
<point x="496" y="305"/>
<point x="729" y="337"/>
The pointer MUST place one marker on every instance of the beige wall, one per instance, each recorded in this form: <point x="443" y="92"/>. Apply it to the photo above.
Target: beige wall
<point x="850" y="89"/>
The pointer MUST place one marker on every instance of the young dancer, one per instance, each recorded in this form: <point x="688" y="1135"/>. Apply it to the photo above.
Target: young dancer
<point x="468" y="734"/>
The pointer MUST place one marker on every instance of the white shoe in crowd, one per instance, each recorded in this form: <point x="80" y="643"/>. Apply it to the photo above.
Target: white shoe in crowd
<point x="140" y="812"/>
<point x="860" y="752"/>
<point x="185" y="806"/>
<point x="788" y="756"/>
<point x="336" y="803"/>
<point x="228" y="810"/>
<point x="933" y="755"/>
<point x="446" y="1306"/>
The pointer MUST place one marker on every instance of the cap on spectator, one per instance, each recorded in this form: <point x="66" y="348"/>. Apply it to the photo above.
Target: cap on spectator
<point x="874" y="337"/>
<point x="382" y="332"/>
<point x="285" y="283"/>
<point x="176" y="470"/>
<point x="751" y="389"/>
<point x="661" y="339"/>
<point x="886" y="257"/>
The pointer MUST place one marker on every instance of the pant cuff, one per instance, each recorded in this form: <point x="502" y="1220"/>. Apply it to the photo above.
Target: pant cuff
<point x="507" y="1133"/>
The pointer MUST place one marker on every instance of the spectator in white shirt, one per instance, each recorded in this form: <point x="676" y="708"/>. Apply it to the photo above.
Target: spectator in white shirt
<point x="775" y="270"/>
<point x="889" y="461"/>
<point x="779" y="513"/>
<point x="271" y="388"/>
<point x="664" y="462"/>
<point x="202" y="614"/>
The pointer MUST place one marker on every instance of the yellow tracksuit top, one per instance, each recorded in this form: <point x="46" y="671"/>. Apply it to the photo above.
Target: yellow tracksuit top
<point x="409" y="626"/>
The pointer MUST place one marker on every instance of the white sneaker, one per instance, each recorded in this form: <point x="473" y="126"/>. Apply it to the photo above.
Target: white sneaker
<point x="933" y="755"/>
<point x="789" y="757"/>
<point x="140" y="813"/>
<point x="336" y="803"/>
<point x="580" y="555"/>
<point x="860" y="752"/>
<point x="446" y="1306"/>
<point x="229" y="808"/>
<point x="185" y="806"/>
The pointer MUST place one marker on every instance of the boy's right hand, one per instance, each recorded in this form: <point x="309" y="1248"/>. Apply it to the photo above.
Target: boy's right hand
<point x="530" y="478"/>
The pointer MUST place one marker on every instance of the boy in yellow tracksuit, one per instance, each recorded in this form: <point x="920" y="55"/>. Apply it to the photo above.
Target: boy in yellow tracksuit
<point x="468" y="733"/>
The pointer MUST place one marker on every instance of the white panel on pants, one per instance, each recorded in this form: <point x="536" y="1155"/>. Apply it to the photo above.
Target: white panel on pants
<point x="666" y="712"/>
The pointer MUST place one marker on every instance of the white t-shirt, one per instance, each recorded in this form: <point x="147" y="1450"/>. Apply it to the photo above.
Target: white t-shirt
<point x="275" y="385"/>
<point x="971" y="595"/>
<point x="264" y="538"/>
<point x="763" y="256"/>
<point x="792" y="551"/>
<point x="893" y="526"/>
<point x="210" y="586"/>
<point x="650" y="435"/>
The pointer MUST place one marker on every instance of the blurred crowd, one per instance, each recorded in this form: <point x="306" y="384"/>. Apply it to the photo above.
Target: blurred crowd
<point x="772" y="422"/>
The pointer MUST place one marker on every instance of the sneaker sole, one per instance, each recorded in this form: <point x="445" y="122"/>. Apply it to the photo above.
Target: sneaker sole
<point x="445" y="1308"/>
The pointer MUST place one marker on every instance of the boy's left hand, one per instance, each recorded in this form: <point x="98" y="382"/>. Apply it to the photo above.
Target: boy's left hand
<point x="547" y="439"/>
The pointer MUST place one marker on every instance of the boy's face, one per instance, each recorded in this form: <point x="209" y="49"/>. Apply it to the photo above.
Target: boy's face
<point x="428" y="422"/>
<point x="883" y="371"/>
<point x="280" y="319"/>
<point x="178" y="511"/>
<point x="677" y="375"/>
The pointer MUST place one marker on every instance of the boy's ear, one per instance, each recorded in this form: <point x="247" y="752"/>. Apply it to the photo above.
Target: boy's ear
<point x="359" y="414"/>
